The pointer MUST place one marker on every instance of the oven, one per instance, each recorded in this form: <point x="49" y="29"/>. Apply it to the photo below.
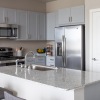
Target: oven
<point x="7" y="58"/>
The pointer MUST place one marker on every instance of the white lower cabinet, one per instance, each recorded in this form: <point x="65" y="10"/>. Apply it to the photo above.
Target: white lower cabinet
<point x="38" y="60"/>
<point x="50" y="61"/>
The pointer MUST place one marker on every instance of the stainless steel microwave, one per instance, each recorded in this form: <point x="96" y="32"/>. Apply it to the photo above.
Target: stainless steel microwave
<point x="8" y="31"/>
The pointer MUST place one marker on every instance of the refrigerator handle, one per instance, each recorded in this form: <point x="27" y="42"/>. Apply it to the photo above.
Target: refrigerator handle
<point x="63" y="50"/>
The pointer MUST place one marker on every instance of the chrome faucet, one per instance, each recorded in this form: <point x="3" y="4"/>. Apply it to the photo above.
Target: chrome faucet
<point x="26" y="57"/>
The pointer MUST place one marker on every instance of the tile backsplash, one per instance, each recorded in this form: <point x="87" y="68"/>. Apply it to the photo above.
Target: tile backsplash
<point x="27" y="45"/>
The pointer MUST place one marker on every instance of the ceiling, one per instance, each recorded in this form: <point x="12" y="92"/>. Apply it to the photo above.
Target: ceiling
<point x="45" y="0"/>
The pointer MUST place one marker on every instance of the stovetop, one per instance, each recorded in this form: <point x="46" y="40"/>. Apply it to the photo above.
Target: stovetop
<point x="10" y="58"/>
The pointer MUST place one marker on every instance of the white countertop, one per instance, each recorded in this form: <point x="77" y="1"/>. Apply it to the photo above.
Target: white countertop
<point x="63" y="78"/>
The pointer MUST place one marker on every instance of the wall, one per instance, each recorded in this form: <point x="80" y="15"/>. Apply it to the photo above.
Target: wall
<point x="89" y="4"/>
<point x="23" y="5"/>
<point x="58" y="4"/>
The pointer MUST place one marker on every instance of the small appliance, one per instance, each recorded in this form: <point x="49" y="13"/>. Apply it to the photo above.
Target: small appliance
<point x="9" y="31"/>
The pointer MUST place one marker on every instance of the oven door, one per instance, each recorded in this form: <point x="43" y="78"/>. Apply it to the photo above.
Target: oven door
<point x="6" y="32"/>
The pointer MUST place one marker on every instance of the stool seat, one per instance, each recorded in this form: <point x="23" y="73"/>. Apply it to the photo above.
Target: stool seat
<point x="2" y="92"/>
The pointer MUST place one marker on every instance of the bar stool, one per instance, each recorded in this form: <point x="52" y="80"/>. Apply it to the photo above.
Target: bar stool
<point x="11" y="97"/>
<point x="2" y="92"/>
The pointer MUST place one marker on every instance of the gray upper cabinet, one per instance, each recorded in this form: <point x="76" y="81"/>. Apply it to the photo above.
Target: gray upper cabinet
<point x="32" y="25"/>
<point x="7" y="16"/>
<point x="64" y="16"/>
<point x="41" y="26"/>
<point x="10" y="16"/>
<point x="2" y="19"/>
<point x="71" y="16"/>
<point x="78" y="15"/>
<point x="21" y="19"/>
<point x="51" y="23"/>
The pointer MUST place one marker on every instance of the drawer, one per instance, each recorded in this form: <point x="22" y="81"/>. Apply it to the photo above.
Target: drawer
<point x="50" y="64"/>
<point x="40" y="63"/>
<point x="40" y="59"/>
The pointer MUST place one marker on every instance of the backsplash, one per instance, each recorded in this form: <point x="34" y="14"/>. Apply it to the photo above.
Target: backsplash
<point x="27" y="45"/>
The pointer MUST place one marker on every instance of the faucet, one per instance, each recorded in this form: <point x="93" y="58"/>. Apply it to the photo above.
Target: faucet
<point x="17" y="62"/>
<point x="26" y="57"/>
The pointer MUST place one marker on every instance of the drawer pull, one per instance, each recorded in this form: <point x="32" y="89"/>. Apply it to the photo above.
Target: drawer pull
<point x="52" y="59"/>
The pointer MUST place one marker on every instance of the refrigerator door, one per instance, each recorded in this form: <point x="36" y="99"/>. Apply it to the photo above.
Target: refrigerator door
<point x="73" y="43"/>
<point x="59" y="39"/>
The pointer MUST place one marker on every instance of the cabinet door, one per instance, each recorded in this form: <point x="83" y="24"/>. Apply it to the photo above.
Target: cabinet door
<point x="50" y="61"/>
<point x="41" y="26"/>
<point x="10" y="15"/>
<point x="2" y="20"/>
<point x="32" y="25"/>
<point x="50" y="26"/>
<point x="39" y="60"/>
<point x="77" y="15"/>
<point x="64" y="16"/>
<point x="21" y="19"/>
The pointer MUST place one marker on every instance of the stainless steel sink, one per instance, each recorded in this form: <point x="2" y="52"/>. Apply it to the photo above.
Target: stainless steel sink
<point x="42" y="68"/>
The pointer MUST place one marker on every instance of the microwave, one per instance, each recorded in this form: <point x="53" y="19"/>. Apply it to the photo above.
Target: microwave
<point x="9" y="31"/>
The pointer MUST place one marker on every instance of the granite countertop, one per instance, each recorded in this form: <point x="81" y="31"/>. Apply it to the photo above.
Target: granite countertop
<point x="62" y="77"/>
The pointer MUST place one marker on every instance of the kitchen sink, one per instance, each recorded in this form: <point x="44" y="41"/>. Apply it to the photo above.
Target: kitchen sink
<point x="42" y="68"/>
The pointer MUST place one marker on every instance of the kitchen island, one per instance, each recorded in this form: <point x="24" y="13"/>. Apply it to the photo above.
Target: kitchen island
<point x="58" y="84"/>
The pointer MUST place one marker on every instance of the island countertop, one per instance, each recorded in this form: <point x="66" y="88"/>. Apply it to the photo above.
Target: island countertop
<point x="63" y="78"/>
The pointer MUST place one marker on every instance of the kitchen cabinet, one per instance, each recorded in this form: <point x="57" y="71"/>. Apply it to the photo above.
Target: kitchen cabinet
<point x="38" y="60"/>
<point x="51" y="23"/>
<point x="2" y="20"/>
<point x="10" y="15"/>
<point x="64" y="16"/>
<point x="7" y="16"/>
<point x="71" y="16"/>
<point x="32" y="25"/>
<point x="21" y="20"/>
<point x="41" y="26"/>
<point x="50" y="61"/>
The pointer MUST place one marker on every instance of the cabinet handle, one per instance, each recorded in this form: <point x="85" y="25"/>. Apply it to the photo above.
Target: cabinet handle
<point x="52" y="59"/>
<point x="69" y="19"/>
<point x="29" y="36"/>
<point x="5" y="20"/>
<point x="51" y="65"/>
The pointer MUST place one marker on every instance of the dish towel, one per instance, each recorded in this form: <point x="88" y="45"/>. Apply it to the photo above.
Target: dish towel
<point x="11" y="97"/>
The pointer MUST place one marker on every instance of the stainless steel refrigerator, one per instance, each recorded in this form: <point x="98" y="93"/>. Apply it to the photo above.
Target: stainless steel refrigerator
<point x="70" y="47"/>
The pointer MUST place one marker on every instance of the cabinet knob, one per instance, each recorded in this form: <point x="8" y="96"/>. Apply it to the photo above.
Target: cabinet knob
<point x="94" y="59"/>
